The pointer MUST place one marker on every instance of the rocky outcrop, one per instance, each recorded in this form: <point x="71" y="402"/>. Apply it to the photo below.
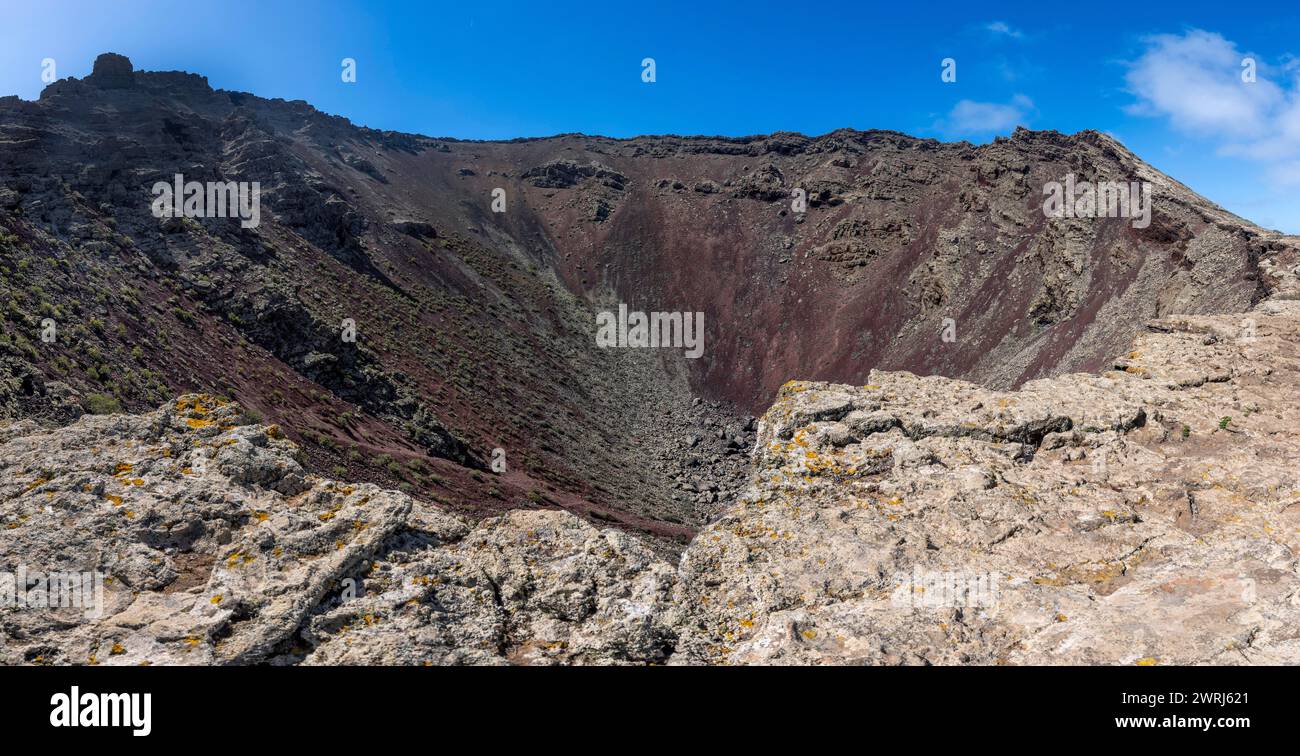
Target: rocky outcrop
<point x="567" y="174"/>
<point x="1149" y="514"/>
<point x="215" y="547"/>
<point x="112" y="71"/>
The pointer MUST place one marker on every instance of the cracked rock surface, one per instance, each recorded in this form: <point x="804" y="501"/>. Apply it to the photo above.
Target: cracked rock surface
<point x="1148" y="514"/>
<point x="218" y="549"/>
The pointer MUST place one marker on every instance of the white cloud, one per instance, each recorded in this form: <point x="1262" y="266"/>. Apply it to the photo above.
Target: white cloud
<point x="1001" y="27"/>
<point x="1285" y="173"/>
<point x="970" y="117"/>
<point x="1195" y="80"/>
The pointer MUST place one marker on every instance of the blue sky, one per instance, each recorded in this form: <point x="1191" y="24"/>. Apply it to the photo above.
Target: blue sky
<point x="1163" y="77"/>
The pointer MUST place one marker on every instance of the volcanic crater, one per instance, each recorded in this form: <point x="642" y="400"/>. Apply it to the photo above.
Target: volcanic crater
<point x="475" y="329"/>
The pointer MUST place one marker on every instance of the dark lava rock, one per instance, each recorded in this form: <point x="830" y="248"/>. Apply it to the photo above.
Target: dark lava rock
<point x="112" y="71"/>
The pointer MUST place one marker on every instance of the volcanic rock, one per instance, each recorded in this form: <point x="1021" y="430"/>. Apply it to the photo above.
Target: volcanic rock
<point x="112" y="71"/>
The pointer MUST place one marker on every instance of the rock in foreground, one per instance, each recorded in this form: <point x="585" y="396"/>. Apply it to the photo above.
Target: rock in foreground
<point x="218" y="549"/>
<point x="1147" y="515"/>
